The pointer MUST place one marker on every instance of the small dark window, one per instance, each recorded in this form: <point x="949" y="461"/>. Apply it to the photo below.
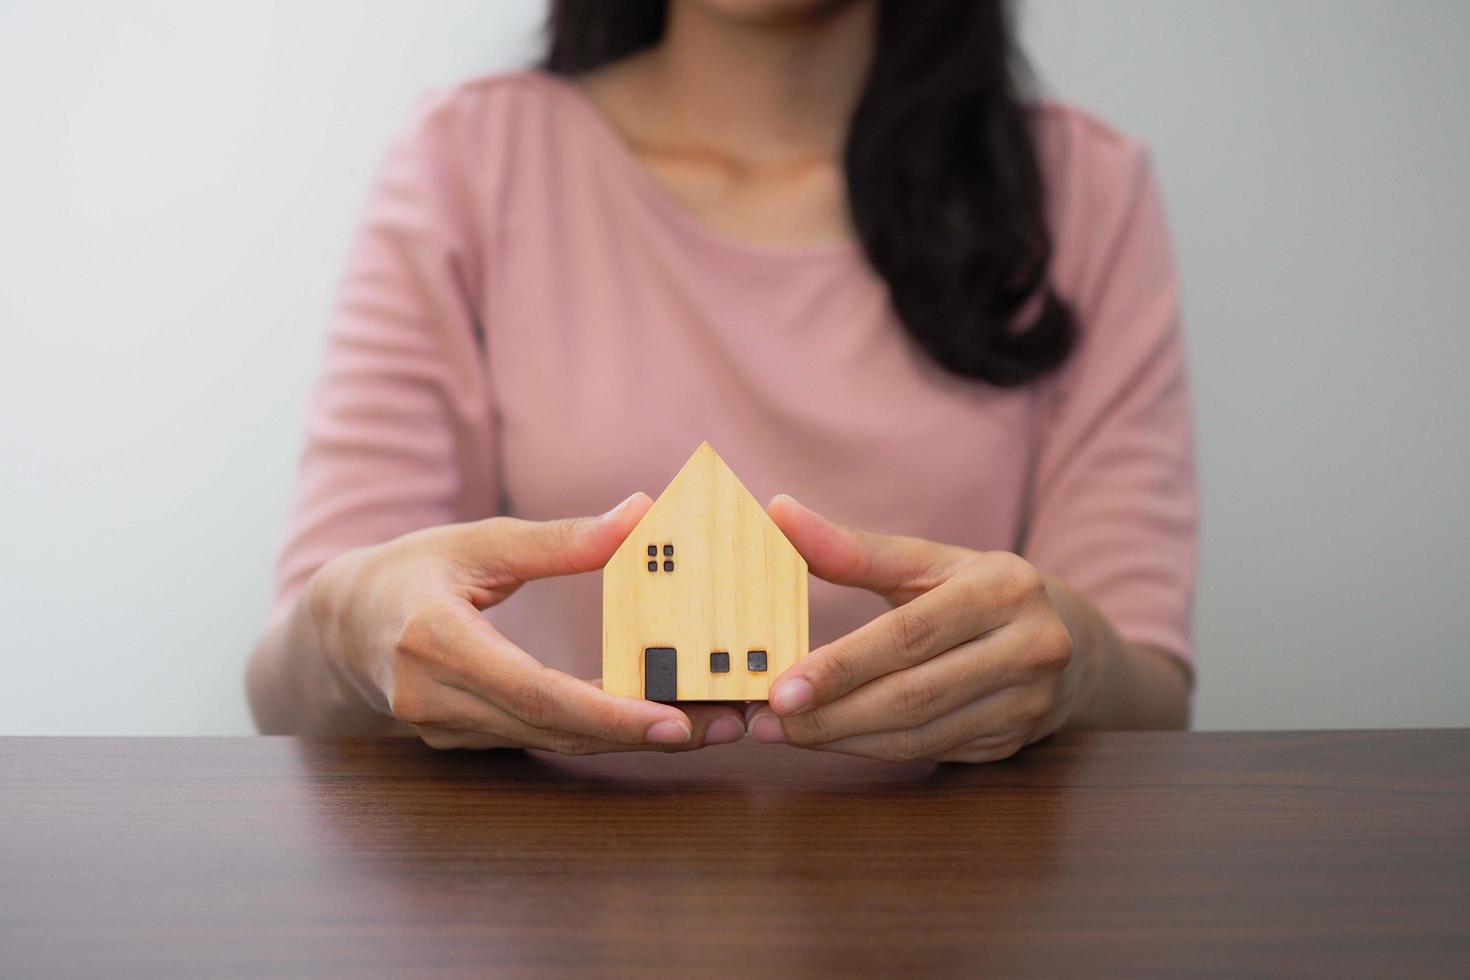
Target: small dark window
<point x="652" y="550"/>
<point x="668" y="565"/>
<point x="719" y="663"/>
<point x="668" y="549"/>
<point x="755" y="661"/>
<point x="653" y="566"/>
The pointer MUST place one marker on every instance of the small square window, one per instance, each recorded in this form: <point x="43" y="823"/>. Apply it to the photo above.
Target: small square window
<point x="719" y="662"/>
<point x="668" y="565"/>
<point x="755" y="661"/>
<point x="652" y="550"/>
<point x="653" y="566"/>
<point x="668" y="550"/>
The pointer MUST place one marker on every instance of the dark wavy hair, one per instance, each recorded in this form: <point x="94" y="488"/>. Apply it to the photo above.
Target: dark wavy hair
<point x="943" y="179"/>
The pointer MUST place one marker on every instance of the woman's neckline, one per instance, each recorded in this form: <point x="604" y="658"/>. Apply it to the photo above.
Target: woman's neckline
<point x="677" y="215"/>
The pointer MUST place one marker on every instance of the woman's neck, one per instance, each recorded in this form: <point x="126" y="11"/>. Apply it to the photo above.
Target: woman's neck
<point x="764" y="92"/>
<point x="744" y="124"/>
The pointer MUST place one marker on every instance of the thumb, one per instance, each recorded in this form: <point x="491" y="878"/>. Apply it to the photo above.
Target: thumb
<point x="508" y="548"/>
<point x="897" y="568"/>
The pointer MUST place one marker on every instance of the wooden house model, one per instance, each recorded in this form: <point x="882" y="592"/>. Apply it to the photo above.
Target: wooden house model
<point x="706" y="600"/>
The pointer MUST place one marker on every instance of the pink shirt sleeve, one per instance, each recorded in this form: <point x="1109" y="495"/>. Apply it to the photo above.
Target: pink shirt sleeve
<point x="396" y="433"/>
<point x="1114" y="503"/>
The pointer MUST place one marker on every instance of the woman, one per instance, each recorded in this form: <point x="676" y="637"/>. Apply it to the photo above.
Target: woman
<point x="828" y="236"/>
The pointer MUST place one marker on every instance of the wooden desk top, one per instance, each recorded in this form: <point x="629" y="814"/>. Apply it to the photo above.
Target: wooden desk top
<point x="1133" y="854"/>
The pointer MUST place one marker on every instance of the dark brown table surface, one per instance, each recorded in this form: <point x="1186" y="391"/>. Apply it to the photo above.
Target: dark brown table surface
<point x="1334" y="853"/>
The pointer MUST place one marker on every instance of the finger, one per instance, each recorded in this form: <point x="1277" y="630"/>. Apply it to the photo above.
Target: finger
<point x="463" y="650"/>
<point x="507" y="550"/>
<point x="436" y="737"/>
<point x="1003" y="722"/>
<point x="909" y="747"/>
<point x="439" y="737"/>
<point x="466" y="722"/>
<point x="985" y="750"/>
<point x="455" y="738"/>
<point x="897" y="568"/>
<point x="940" y="619"/>
<point x="714" y="724"/>
<point x="909" y="698"/>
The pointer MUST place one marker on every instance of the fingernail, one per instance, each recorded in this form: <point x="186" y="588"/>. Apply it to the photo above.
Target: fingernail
<point x="626" y="501"/>
<point x="669" y="732"/>
<point x="767" y="728"/>
<point x="723" y="730"/>
<point x="790" y="697"/>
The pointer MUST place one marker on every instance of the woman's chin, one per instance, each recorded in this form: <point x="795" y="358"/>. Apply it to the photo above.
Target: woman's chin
<point x="773" y="12"/>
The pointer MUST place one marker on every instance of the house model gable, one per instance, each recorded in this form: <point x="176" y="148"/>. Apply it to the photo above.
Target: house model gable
<point x="706" y="600"/>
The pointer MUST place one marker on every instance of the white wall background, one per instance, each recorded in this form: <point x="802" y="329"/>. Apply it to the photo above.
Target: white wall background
<point x="178" y="181"/>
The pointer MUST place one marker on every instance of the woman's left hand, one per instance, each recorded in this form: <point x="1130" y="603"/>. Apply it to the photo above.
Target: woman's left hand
<point x="974" y="661"/>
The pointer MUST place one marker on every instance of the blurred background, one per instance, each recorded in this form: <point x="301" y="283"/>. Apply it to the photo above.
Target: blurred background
<point x="178" y="182"/>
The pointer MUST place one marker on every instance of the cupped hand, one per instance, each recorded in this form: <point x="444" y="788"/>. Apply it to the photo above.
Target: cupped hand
<point x="400" y="625"/>
<point x="972" y="663"/>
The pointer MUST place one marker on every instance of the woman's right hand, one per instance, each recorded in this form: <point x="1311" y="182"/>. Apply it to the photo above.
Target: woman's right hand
<point x="400" y="626"/>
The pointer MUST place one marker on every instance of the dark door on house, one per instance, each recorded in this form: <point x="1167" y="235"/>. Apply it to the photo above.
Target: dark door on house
<point x="661" y="674"/>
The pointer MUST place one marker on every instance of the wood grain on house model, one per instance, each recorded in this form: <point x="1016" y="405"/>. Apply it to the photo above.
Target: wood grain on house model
<point x="711" y="586"/>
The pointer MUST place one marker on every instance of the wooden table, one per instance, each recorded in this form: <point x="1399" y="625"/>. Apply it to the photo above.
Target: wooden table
<point x="1133" y="854"/>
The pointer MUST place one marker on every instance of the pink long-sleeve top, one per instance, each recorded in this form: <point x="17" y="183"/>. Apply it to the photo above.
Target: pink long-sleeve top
<point x="530" y="325"/>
